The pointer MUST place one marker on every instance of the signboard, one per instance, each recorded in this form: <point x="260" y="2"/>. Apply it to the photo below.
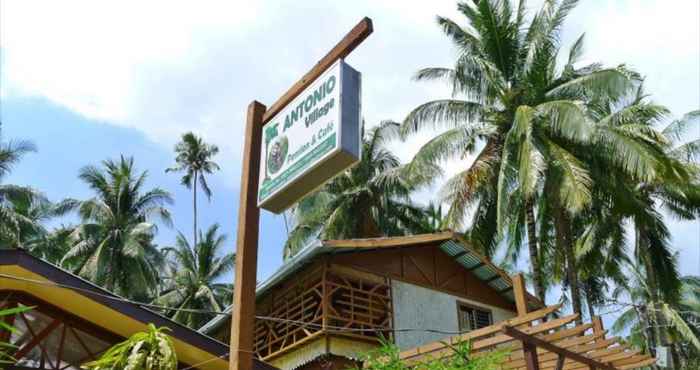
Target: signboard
<point x="662" y="356"/>
<point x="312" y="139"/>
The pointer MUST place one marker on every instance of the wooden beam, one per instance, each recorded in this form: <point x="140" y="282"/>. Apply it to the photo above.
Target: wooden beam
<point x="520" y="292"/>
<point x="530" y="352"/>
<point x="390" y="242"/>
<point x="358" y="34"/>
<point x="597" y="324"/>
<point x="243" y="315"/>
<point x="535" y="341"/>
<point x="37" y="338"/>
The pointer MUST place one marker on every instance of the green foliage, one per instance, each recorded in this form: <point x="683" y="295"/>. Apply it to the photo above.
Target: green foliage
<point x="387" y="357"/>
<point x="6" y="348"/>
<point x="150" y="350"/>
<point x="195" y="275"/>
<point x="193" y="157"/>
<point x="372" y="199"/>
<point x="113" y="246"/>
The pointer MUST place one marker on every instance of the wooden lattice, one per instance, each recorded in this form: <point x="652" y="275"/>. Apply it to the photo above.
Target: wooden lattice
<point x="328" y="301"/>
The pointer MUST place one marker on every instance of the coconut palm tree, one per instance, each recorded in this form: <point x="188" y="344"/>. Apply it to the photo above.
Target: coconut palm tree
<point x="196" y="275"/>
<point x="652" y="323"/>
<point x="33" y="210"/>
<point x="520" y="113"/>
<point x="11" y="152"/>
<point x="194" y="158"/>
<point x="372" y="199"/>
<point x="113" y="245"/>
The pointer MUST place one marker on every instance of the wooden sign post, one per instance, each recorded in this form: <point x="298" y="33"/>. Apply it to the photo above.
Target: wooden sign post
<point x="243" y="312"/>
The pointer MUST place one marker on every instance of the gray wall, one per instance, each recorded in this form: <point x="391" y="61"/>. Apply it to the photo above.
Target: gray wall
<point x="423" y="308"/>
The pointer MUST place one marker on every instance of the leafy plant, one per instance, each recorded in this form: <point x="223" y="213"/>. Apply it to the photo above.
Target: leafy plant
<point x="387" y="357"/>
<point x="7" y="348"/>
<point x="151" y="350"/>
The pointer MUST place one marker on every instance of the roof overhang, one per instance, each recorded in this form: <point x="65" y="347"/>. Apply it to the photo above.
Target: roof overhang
<point x="19" y="271"/>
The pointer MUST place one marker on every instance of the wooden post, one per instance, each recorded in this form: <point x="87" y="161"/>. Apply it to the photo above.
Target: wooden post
<point x="597" y="325"/>
<point x="560" y="362"/>
<point x="243" y="315"/>
<point x="530" y="352"/>
<point x="520" y="294"/>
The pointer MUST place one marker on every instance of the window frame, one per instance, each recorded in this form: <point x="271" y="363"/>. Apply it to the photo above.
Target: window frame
<point x="464" y="306"/>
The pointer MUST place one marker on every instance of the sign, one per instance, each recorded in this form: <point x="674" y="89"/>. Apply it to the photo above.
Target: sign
<point x="662" y="356"/>
<point x="313" y="138"/>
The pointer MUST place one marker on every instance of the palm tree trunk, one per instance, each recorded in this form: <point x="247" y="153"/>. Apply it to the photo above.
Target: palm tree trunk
<point x="534" y="252"/>
<point x="564" y="243"/>
<point x="660" y="325"/>
<point x="194" y="205"/>
<point x="589" y="303"/>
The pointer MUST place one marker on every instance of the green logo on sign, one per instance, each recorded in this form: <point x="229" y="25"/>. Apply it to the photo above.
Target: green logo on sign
<point x="277" y="154"/>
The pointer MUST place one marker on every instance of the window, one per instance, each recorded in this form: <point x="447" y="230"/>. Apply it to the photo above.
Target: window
<point x="471" y="318"/>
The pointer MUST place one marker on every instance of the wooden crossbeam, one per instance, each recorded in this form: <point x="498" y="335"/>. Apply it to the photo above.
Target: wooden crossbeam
<point x="479" y="333"/>
<point x="358" y="34"/>
<point x="36" y="338"/>
<point x="503" y="338"/>
<point x="537" y="342"/>
<point x="547" y="358"/>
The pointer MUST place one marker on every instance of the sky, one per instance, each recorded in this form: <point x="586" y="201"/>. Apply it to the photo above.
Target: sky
<point x="87" y="81"/>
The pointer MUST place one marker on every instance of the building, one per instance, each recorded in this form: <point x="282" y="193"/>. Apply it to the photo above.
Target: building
<point x="335" y="299"/>
<point x="72" y="320"/>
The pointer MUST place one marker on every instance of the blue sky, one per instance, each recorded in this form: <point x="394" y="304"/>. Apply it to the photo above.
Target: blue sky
<point x="89" y="80"/>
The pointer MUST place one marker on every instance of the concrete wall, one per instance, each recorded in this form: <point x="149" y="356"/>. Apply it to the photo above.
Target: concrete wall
<point x="423" y="308"/>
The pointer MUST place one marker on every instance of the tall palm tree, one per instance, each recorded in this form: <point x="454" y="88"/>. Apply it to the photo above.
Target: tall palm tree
<point x="194" y="158"/>
<point x="113" y="245"/>
<point x="521" y="113"/>
<point x="197" y="271"/>
<point x="371" y="199"/>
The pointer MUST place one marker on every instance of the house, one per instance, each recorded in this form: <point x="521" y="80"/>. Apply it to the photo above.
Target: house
<point x="336" y="299"/>
<point x="73" y="321"/>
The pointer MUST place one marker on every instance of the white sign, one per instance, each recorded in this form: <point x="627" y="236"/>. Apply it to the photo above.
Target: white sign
<point x="312" y="139"/>
<point x="662" y="356"/>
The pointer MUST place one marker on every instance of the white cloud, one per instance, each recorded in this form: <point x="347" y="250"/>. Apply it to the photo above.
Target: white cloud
<point x="164" y="67"/>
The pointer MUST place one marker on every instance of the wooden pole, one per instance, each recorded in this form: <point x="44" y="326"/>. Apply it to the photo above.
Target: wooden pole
<point x="597" y="325"/>
<point x="520" y="294"/>
<point x="243" y="315"/>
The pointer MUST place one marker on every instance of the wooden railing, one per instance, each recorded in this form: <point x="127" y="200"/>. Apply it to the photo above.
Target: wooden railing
<point x="324" y="301"/>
